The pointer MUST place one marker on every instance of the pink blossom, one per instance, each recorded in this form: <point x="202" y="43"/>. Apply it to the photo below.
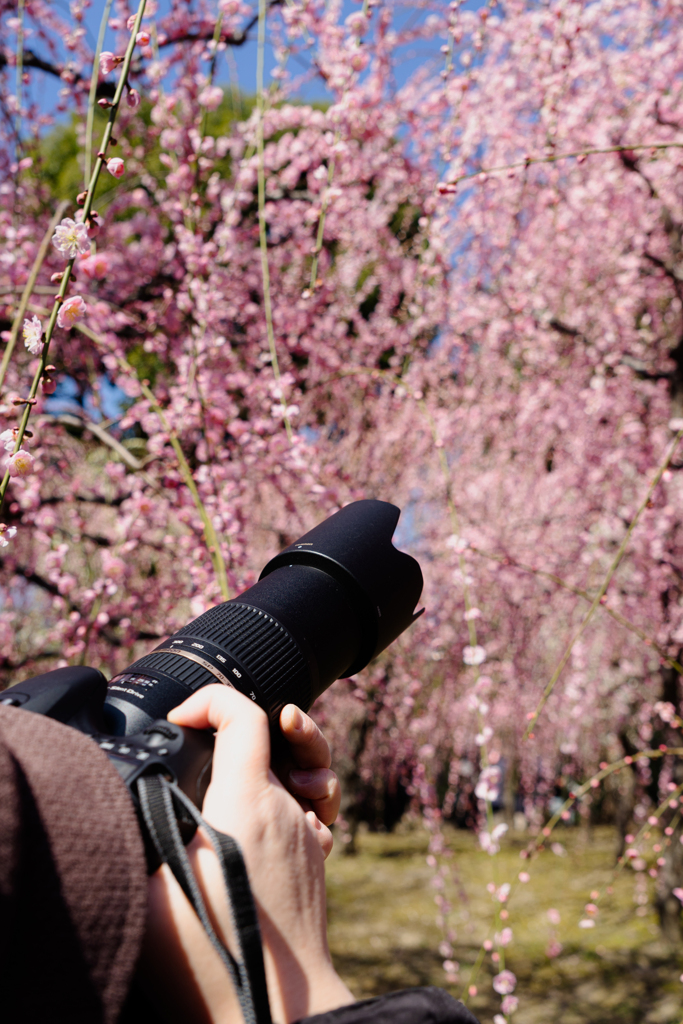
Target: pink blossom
<point x="211" y="97"/>
<point x="133" y="98"/>
<point x="503" y="892"/>
<point x="509" y="1004"/>
<point x="115" y="166"/>
<point x="678" y="893"/>
<point x="553" y="915"/>
<point x="71" y="238"/>
<point x="70" y="311"/>
<point x="131" y="22"/>
<point x="358" y="59"/>
<point x="33" y="333"/>
<point x="95" y="222"/>
<point x="113" y="567"/>
<point x="20" y="464"/>
<point x="142" y="38"/>
<point x="108" y="61"/>
<point x="6" y="534"/>
<point x="357" y="23"/>
<point x="488" y="786"/>
<point x="484" y="736"/>
<point x="504" y="983"/>
<point x="8" y="439"/>
<point x="94" y="267"/>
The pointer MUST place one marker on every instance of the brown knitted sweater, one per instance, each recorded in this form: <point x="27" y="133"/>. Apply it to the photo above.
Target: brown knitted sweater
<point x="73" y="882"/>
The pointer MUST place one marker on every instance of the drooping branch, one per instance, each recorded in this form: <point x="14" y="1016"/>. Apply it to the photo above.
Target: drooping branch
<point x="37" y="580"/>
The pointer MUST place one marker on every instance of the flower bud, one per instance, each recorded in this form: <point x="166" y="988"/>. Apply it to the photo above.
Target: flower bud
<point x="115" y="166"/>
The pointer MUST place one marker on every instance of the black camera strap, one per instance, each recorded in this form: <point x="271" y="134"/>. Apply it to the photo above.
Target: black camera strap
<point x="248" y="973"/>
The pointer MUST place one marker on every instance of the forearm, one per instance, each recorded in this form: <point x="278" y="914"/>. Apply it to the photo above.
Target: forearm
<point x="188" y="979"/>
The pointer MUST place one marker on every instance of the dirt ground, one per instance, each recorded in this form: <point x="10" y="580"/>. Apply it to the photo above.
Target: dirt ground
<point x="383" y="932"/>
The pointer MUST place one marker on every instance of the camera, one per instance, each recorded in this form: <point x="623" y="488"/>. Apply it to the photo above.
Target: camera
<point x="321" y="610"/>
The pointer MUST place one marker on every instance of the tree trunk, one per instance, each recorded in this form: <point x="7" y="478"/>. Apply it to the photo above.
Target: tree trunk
<point x="346" y="766"/>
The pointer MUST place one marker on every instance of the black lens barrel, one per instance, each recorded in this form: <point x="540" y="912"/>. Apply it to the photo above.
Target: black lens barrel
<point x="321" y="610"/>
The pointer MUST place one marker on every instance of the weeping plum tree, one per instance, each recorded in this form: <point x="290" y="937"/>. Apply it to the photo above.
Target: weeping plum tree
<point x="462" y="295"/>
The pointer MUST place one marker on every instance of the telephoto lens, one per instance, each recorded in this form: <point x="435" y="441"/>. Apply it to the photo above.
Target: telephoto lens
<point x="322" y="609"/>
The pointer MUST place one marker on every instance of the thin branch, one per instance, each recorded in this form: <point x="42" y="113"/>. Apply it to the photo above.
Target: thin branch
<point x="20" y="73"/>
<point x="29" y="288"/>
<point x="554" y="157"/>
<point x="263" y="242"/>
<point x="103" y="435"/>
<point x="533" y="718"/>
<point x="30" y="401"/>
<point x="94" y="81"/>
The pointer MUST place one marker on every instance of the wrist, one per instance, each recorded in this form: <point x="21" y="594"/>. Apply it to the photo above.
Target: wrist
<point x="301" y="986"/>
<point x="326" y="991"/>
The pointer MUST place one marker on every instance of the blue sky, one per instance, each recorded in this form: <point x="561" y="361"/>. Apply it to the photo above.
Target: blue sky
<point x="44" y="88"/>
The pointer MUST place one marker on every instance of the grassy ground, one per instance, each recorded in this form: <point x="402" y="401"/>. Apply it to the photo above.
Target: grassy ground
<point x="383" y="931"/>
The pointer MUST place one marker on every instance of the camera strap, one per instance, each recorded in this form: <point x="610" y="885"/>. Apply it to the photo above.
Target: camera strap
<point x="157" y="796"/>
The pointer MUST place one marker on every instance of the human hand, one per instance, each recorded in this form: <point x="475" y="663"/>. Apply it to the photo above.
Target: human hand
<point x="305" y="771"/>
<point x="284" y="846"/>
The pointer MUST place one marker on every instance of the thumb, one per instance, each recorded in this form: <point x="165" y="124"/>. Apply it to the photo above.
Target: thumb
<point x="242" y="735"/>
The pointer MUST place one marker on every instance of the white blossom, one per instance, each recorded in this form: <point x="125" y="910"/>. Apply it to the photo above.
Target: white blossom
<point x="33" y="333"/>
<point x="474" y="655"/>
<point x="71" y="239"/>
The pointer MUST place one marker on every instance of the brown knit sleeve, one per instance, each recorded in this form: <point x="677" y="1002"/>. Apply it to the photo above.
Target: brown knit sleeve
<point x="73" y="883"/>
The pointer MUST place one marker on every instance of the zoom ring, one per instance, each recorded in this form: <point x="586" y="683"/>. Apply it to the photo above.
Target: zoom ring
<point x="262" y="646"/>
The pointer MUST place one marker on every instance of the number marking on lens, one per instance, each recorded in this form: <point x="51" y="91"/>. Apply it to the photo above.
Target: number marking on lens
<point x="191" y="656"/>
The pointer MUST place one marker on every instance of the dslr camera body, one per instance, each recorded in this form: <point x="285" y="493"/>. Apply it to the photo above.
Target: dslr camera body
<point x="322" y="609"/>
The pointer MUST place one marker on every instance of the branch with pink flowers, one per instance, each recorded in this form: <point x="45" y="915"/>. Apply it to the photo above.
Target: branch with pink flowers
<point x="597" y="600"/>
<point x="580" y="155"/>
<point x="71" y="239"/>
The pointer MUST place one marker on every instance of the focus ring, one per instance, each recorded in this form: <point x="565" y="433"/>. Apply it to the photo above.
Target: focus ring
<point x="265" y="648"/>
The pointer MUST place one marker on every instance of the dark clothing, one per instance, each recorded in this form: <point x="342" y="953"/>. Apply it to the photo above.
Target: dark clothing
<point x="73" y="891"/>
<point x="410" y="1006"/>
